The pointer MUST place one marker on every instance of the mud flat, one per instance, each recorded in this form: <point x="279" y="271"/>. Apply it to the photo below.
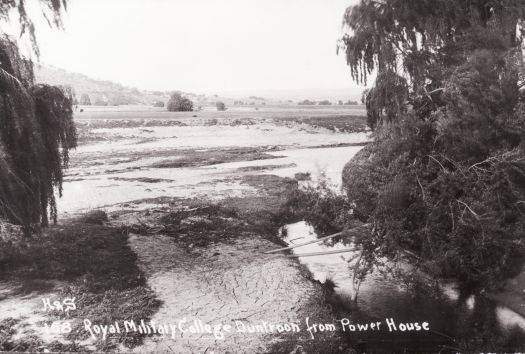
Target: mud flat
<point x="187" y="212"/>
<point x="206" y="264"/>
<point x="129" y="156"/>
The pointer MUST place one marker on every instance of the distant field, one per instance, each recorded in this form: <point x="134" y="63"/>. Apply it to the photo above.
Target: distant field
<point x="247" y="112"/>
<point x="348" y="119"/>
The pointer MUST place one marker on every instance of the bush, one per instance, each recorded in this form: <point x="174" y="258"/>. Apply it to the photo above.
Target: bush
<point x="220" y="106"/>
<point x="306" y="103"/>
<point x="85" y="100"/>
<point x="320" y="205"/>
<point x="100" y="102"/>
<point x="96" y="217"/>
<point x="461" y="218"/>
<point x="177" y="103"/>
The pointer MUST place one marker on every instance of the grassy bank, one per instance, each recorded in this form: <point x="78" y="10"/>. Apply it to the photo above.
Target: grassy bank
<point x="93" y="259"/>
<point x="89" y="262"/>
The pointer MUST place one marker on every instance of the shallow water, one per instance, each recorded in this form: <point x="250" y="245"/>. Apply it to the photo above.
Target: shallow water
<point x="216" y="136"/>
<point x="108" y="173"/>
<point x="114" y="171"/>
<point x="449" y="313"/>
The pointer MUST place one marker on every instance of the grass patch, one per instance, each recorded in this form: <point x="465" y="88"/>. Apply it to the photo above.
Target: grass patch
<point x="320" y="205"/>
<point x="264" y="167"/>
<point x="205" y="158"/>
<point x="97" y="267"/>
<point x="203" y="222"/>
<point x="346" y="124"/>
<point x="97" y="217"/>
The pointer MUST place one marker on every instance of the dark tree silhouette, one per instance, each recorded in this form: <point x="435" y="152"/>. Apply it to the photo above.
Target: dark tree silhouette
<point x="85" y="100"/>
<point x="220" y="106"/>
<point x="444" y="180"/>
<point x="177" y="103"/>
<point x="306" y="103"/>
<point x="36" y="129"/>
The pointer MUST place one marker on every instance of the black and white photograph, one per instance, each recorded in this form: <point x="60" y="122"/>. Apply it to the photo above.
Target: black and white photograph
<point x="262" y="176"/>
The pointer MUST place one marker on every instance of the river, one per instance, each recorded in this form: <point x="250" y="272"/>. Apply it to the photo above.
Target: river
<point x="130" y="166"/>
<point x="454" y="318"/>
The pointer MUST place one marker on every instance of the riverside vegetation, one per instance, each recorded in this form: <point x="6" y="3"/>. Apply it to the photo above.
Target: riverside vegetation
<point x="441" y="185"/>
<point x="444" y="181"/>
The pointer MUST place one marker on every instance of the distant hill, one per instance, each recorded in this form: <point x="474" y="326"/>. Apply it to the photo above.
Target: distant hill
<point x="100" y="92"/>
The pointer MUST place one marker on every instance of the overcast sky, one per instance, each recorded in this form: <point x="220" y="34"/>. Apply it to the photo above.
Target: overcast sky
<point x="202" y="45"/>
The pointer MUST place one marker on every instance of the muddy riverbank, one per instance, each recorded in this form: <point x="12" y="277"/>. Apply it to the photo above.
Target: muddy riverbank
<point x="185" y="208"/>
<point x="193" y="260"/>
<point x="186" y="211"/>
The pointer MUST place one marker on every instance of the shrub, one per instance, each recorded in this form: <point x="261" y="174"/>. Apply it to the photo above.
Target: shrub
<point x="462" y="219"/>
<point x="100" y="102"/>
<point x="177" y="103"/>
<point x="85" y="100"/>
<point x="97" y="217"/>
<point x="320" y="205"/>
<point x="306" y="103"/>
<point x="220" y="106"/>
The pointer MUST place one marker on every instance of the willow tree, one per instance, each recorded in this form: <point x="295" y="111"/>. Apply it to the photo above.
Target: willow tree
<point x="36" y="127"/>
<point x="416" y="44"/>
<point x="444" y="181"/>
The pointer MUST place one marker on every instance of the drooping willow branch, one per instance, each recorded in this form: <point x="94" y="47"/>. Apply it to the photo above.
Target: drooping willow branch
<point x="36" y="133"/>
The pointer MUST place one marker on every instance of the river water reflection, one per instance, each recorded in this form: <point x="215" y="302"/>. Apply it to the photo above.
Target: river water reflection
<point x="456" y="321"/>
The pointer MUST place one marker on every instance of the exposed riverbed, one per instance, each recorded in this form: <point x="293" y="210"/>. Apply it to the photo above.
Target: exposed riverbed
<point x="195" y="157"/>
<point x="133" y="164"/>
<point x="197" y="197"/>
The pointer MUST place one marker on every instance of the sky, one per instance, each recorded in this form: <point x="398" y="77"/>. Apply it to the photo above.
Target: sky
<point x="202" y="46"/>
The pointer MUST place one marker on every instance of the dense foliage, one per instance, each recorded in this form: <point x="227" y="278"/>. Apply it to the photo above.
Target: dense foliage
<point x="85" y="100"/>
<point x="36" y="131"/>
<point x="158" y="104"/>
<point x="306" y="103"/>
<point x="220" y="106"/>
<point x="319" y="204"/>
<point x="444" y="181"/>
<point x="177" y="103"/>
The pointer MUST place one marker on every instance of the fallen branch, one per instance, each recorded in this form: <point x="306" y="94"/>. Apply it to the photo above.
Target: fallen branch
<point x="323" y="253"/>
<point x="304" y="243"/>
<point x="439" y="163"/>
<point x="345" y="233"/>
<point x="420" y="186"/>
<point x="472" y="211"/>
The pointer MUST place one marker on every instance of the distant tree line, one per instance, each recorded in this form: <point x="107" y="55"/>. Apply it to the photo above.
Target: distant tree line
<point x="325" y="103"/>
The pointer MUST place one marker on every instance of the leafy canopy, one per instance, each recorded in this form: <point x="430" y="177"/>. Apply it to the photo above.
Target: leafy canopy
<point x="177" y="103"/>
<point x="444" y="180"/>
<point x="36" y="128"/>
